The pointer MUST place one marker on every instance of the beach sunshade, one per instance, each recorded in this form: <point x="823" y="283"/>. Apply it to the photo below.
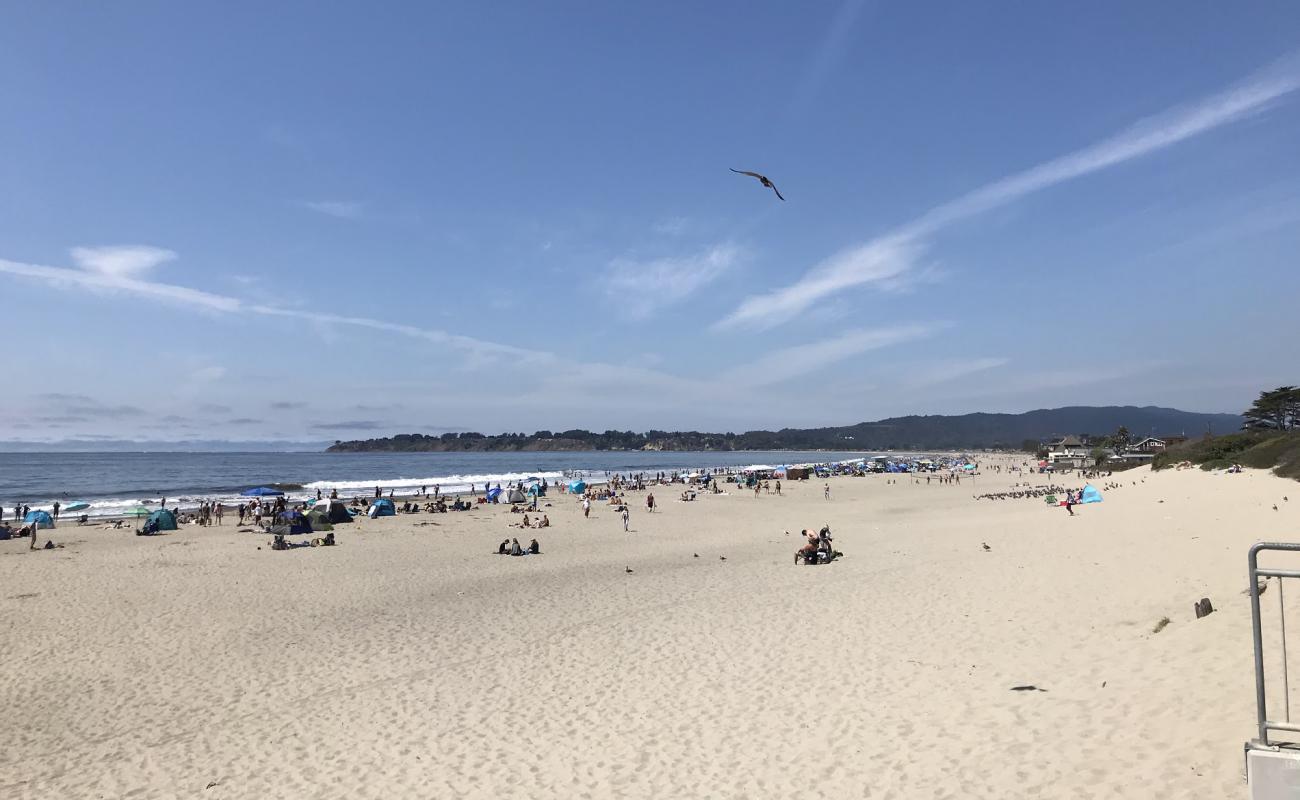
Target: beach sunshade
<point x="293" y="522"/>
<point x="1090" y="495"/>
<point x="577" y="487"/>
<point x="137" y="511"/>
<point x="262" y="491"/>
<point x="41" y="518"/>
<point x="164" y="519"/>
<point x="333" y="510"/>
<point x="77" y="505"/>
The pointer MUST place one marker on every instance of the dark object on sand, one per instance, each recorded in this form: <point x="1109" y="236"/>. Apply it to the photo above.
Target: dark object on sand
<point x="628" y="570"/>
<point x="1027" y="688"/>
<point x="1160" y="625"/>
<point x="986" y="547"/>
<point x="1204" y="608"/>
<point x="761" y="179"/>
<point x="49" y="545"/>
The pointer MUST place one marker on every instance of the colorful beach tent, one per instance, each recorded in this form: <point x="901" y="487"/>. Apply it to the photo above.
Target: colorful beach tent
<point x="291" y="522"/>
<point x="516" y="496"/>
<point x="334" y="511"/>
<point x="41" y="518"/>
<point x="577" y="487"/>
<point x="319" y="519"/>
<point x="536" y="490"/>
<point x="493" y="494"/>
<point x="1090" y="494"/>
<point x="163" y="519"/>
<point x="383" y="507"/>
<point x="262" y="491"/>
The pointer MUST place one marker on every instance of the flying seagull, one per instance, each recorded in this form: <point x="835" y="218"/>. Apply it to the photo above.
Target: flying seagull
<point x="761" y="179"/>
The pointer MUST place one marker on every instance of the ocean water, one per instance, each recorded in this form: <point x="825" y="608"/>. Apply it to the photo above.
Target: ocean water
<point x="112" y="482"/>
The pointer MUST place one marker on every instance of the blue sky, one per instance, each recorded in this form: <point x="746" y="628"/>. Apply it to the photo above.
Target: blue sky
<point x="330" y="220"/>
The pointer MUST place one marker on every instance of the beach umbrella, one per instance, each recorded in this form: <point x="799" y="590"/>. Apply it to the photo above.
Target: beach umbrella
<point x="262" y="491"/>
<point x="137" y="511"/>
<point x="77" y="505"/>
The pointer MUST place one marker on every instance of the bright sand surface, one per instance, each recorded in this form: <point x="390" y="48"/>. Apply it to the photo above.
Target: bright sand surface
<point x="411" y="661"/>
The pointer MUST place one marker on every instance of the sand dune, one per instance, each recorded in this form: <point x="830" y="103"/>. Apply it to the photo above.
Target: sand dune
<point x="413" y="662"/>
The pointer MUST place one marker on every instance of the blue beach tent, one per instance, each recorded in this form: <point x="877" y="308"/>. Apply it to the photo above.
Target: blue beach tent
<point x="1090" y="495"/>
<point x="163" y="519"/>
<point x="493" y="494"/>
<point x="41" y="518"/>
<point x="577" y="487"/>
<point x="262" y="491"/>
<point x="294" y="521"/>
<point x="536" y="490"/>
<point x="383" y="507"/>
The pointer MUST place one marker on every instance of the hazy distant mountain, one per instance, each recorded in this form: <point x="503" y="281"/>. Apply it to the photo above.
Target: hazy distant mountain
<point x="1010" y="430"/>
<point x="898" y="433"/>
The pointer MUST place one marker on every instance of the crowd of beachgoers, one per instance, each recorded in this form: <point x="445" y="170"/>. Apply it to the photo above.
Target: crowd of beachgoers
<point x="271" y="511"/>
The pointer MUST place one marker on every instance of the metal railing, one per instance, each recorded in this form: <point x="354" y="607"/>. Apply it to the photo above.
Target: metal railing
<point x="1261" y="702"/>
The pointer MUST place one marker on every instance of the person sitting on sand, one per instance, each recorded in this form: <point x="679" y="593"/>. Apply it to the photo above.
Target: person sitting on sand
<point x="503" y="547"/>
<point x="808" y="551"/>
<point x="515" y="549"/>
<point x="545" y="523"/>
<point x="534" y="548"/>
<point x="525" y="523"/>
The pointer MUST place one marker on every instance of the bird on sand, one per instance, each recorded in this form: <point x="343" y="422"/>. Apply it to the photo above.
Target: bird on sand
<point x="722" y="558"/>
<point x="986" y="546"/>
<point x="763" y="179"/>
<point x="697" y="555"/>
<point x="628" y="570"/>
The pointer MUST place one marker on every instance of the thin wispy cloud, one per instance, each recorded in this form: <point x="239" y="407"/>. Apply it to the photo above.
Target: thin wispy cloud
<point x="792" y="362"/>
<point x="64" y="278"/>
<point x="889" y="257"/>
<point x="121" y="261"/>
<point x="946" y="371"/>
<point x="335" y="208"/>
<point x="643" y="287"/>
<point x="671" y="226"/>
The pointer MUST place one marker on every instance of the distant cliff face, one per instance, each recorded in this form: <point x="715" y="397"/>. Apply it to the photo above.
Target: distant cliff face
<point x="967" y="431"/>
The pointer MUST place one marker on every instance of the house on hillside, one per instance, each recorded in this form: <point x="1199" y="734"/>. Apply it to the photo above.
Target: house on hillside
<point x="1151" y="444"/>
<point x="1067" y="451"/>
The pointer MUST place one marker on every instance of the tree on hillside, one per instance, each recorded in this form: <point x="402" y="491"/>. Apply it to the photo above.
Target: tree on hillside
<point x="1277" y="410"/>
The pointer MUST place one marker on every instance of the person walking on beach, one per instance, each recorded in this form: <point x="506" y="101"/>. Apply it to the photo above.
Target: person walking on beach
<point x="56" y="510"/>
<point x="827" y="492"/>
<point x="778" y="488"/>
<point x="586" y="507"/>
<point x="625" y="519"/>
<point x="650" y="503"/>
<point x="219" y="512"/>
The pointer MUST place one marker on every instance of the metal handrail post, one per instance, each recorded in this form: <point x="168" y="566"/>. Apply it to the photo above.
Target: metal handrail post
<point x="1261" y="707"/>
<point x="1286" y="681"/>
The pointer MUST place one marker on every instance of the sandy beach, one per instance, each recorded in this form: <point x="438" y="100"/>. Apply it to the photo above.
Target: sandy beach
<point x="412" y="661"/>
